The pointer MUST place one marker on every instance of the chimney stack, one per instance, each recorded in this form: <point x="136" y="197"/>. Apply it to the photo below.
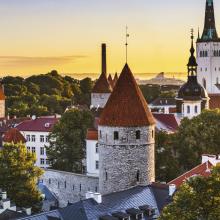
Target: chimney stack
<point x="104" y="65"/>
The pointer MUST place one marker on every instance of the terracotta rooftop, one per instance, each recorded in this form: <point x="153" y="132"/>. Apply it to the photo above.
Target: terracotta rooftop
<point x="200" y="170"/>
<point x="92" y="134"/>
<point x="126" y="106"/>
<point x="13" y="135"/>
<point x="2" y="95"/>
<point x="42" y="124"/>
<point x="214" y="101"/>
<point x="102" y="85"/>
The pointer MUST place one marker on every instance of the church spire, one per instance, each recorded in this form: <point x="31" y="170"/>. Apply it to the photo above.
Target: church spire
<point x="209" y="32"/>
<point x="192" y="64"/>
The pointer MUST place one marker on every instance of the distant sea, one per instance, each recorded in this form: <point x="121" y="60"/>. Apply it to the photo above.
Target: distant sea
<point x="140" y="76"/>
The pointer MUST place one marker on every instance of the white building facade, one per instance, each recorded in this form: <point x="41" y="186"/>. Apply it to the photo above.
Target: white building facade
<point x="36" y="132"/>
<point x="208" y="53"/>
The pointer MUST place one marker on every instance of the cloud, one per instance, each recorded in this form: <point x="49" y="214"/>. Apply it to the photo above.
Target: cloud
<point x="22" y="61"/>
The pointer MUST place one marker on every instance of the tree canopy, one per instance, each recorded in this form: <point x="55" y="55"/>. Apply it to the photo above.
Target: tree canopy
<point x="67" y="140"/>
<point x="180" y="152"/>
<point x="19" y="176"/>
<point x="198" y="198"/>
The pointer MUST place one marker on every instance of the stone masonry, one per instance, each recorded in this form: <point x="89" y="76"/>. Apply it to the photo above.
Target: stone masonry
<point x="128" y="161"/>
<point x="69" y="187"/>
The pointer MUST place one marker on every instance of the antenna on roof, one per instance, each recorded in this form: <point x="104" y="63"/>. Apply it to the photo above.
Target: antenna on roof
<point x="126" y="44"/>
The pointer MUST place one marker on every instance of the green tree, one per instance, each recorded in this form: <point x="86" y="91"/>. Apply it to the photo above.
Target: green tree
<point x="198" y="198"/>
<point x="67" y="141"/>
<point x="19" y="176"/>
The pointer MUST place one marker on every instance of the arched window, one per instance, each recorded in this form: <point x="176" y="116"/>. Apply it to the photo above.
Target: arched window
<point x="196" y="109"/>
<point x="138" y="135"/>
<point x="215" y="55"/>
<point x="116" y="136"/>
<point x="204" y="83"/>
<point x="206" y="53"/>
<point x="138" y="176"/>
<point x="201" y="54"/>
<point x="188" y="109"/>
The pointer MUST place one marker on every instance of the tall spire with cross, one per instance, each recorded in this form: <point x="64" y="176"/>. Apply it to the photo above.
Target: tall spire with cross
<point x="192" y="64"/>
<point x="209" y="32"/>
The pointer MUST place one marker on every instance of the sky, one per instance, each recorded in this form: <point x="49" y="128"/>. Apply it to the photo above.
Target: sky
<point x="37" y="36"/>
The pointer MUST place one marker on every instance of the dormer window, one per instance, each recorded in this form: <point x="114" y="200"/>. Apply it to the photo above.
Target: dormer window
<point x="138" y="135"/>
<point x="116" y="135"/>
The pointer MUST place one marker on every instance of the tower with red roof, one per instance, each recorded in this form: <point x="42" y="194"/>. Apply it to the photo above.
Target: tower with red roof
<point x="126" y="138"/>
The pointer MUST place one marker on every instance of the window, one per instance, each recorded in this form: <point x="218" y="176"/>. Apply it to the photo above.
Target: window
<point x="188" y="109"/>
<point x="33" y="138"/>
<point x="58" y="184"/>
<point x="28" y="138"/>
<point x="65" y="184"/>
<point x="47" y="139"/>
<point x="80" y="187"/>
<point x="49" y="181"/>
<point x="106" y="176"/>
<point x="116" y="135"/>
<point x="138" y="176"/>
<point x="33" y="149"/>
<point x="29" y="148"/>
<point x="138" y="135"/>
<point x="100" y="134"/>
<point x="200" y="53"/>
<point x="41" y="138"/>
<point x="97" y="148"/>
<point x="204" y="83"/>
<point x="97" y="164"/>
<point x="196" y="109"/>
<point x="73" y="187"/>
<point x="41" y="161"/>
<point x="96" y="189"/>
<point x="42" y="151"/>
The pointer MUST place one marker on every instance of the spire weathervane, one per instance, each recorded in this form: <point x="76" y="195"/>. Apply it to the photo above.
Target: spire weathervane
<point x="126" y="44"/>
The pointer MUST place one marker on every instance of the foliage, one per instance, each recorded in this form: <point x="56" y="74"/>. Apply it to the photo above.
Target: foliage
<point x="19" y="176"/>
<point x="44" y="94"/>
<point x="198" y="198"/>
<point x="183" y="150"/>
<point x="67" y="140"/>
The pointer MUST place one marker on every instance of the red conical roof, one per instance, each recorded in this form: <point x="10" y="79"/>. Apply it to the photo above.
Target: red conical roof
<point x="102" y="85"/>
<point x="126" y="106"/>
<point x="13" y="135"/>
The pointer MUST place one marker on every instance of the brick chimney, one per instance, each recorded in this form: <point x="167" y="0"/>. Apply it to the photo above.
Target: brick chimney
<point x="104" y="64"/>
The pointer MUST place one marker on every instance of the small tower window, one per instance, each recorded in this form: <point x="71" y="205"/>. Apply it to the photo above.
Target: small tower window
<point x="65" y="184"/>
<point x="100" y="134"/>
<point x="80" y="187"/>
<point x="196" y="109"/>
<point x="116" y="136"/>
<point x="97" y="148"/>
<point x="204" y="83"/>
<point x="188" y="109"/>
<point x="200" y="53"/>
<point x="138" y="176"/>
<point x="97" y="165"/>
<point x="106" y="175"/>
<point x="138" y="135"/>
<point x="49" y="181"/>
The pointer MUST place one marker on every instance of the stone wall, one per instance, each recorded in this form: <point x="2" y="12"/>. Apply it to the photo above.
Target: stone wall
<point x="128" y="161"/>
<point x="99" y="99"/>
<point x="2" y="108"/>
<point x="69" y="187"/>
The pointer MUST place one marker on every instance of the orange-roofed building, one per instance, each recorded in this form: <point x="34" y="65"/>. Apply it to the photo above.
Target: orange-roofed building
<point x="102" y="89"/>
<point x="13" y="135"/>
<point x="126" y="138"/>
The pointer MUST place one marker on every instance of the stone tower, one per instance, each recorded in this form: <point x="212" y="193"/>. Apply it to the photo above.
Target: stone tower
<point x="102" y="89"/>
<point x="192" y="98"/>
<point x="208" y="53"/>
<point x="126" y="138"/>
<point x="2" y="102"/>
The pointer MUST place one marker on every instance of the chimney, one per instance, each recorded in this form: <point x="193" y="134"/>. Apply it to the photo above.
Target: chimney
<point x="104" y="65"/>
<point x="98" y="197"/>
<point x="172" y="189"/>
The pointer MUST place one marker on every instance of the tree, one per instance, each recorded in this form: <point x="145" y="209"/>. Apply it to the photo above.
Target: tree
<point x="198" y="198"/>
<point x="67" y="141"/>
<point x="19" y="176"/>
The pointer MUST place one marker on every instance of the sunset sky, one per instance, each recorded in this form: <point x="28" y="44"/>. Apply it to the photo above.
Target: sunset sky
<point x="40" y="35"/>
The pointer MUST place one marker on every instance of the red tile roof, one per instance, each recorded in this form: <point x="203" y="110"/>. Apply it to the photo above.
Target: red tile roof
<point x="126" y="106"/>
<point x="201" y="170"/>
<point x="102" y="85"/>
<point x="13" y="135"/>
<point x="2" y="95"/>
<point x="169" y="120"/>
<point x="214" y="101"/>
<point x="42" y="124"/>
<point x="92" y="135"/>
